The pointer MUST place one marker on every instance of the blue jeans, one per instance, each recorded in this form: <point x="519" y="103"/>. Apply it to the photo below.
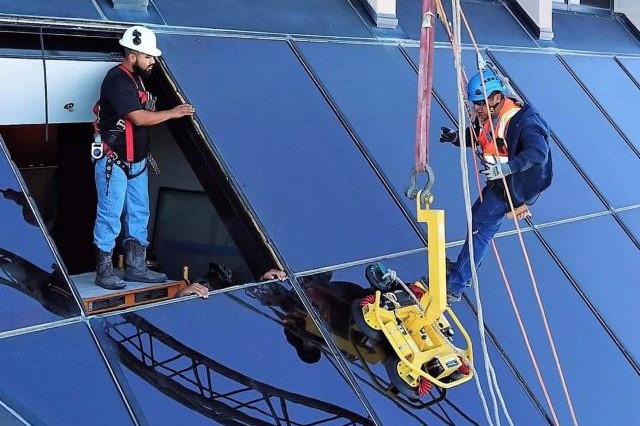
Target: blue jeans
<point x="487" y="218"/>
<point x="130" y="197"/>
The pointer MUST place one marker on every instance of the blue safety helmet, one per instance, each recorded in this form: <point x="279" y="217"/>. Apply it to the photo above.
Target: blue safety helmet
<point x="491" y="81"/>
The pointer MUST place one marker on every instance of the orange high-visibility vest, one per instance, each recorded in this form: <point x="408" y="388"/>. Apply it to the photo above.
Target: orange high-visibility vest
<point x="497" y="152"/>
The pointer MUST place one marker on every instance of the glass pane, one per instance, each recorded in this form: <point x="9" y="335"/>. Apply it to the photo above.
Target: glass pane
<point x="632" y="66"/>
<point x="597" y="3"/>
<point x="605" y="277"/>
<point x="478" y="14"/>
<point x="588" y="31"/>
<point x="631" y="218"/>
<point x="63" y="9"/>
<point x="580" y="339"/>
<point x="616" y="96"/>
<point x="57" y="377"/>
<point x="235" y="358"/>
<point x="321" y="17"/>
<point x="337" y="294"/>
<point x="198" y="238"/>
<point x="577" y="122"/>
<point x="33" y="290"/>
<point x="375" y="88"/>
<point x="313" y="191"/>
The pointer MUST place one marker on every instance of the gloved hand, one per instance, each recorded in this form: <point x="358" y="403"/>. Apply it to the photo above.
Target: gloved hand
<point x="496" y="171"/>
<point x="448" y="135"/>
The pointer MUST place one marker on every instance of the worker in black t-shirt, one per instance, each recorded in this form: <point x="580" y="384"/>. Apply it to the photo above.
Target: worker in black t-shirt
<point x="125" y="111"/>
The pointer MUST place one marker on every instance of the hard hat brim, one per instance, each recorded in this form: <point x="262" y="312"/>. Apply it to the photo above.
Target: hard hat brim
<point x="153" y="52"/>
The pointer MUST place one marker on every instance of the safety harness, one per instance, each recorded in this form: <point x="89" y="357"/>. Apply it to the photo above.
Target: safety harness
<point x="489" y="153"/>
<point x="102" y="148"/>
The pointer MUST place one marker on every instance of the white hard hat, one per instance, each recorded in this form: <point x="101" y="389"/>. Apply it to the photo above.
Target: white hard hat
<point x="141" y="39"/>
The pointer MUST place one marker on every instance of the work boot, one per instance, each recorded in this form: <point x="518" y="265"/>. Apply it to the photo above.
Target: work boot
<point x="135" y="265"/>
<point x="105" y="277"/>
<point x="453" y="298"/>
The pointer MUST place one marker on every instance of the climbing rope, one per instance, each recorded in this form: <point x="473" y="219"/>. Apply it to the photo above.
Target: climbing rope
<point x="489" y="371"/>
<point x="461" y="84"/>
<point x="531" y="275"/>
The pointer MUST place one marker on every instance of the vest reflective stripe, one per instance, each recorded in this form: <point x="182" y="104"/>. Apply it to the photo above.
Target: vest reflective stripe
<point x="491" y="152"/>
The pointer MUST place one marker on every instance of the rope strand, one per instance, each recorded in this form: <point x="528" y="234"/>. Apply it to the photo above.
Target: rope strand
<point x="457" y="54"/>
<point x="531" y="275"/>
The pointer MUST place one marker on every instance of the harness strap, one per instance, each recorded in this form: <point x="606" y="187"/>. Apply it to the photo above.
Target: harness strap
<point x="114" y="159"/>
<point x="128" y="126"/>
<point x="128" y="135"/>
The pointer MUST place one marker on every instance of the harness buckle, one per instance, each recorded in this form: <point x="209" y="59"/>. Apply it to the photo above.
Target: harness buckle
<point x="97" y="149"/>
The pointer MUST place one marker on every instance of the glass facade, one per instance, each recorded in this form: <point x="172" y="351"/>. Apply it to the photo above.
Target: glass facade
<point x="315" y="135"/>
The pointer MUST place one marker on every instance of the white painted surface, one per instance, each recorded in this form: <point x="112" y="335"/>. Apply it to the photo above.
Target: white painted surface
<point x="540" y="11"/>
<point x="383" y="6"/>
<point x="74" y="82"/>
<point x="631" y="8"/>
<point x="23" y="91"/>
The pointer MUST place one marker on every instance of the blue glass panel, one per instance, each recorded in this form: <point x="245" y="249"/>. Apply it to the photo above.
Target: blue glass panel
<point x="32" y="289"/>
<point x="310" y="186"/>
<point x="632" y="66"/>
<point x="375" y="88"/>
<point x="616" y="96"/>
<point x="151" y="16"/>
<point x="577" y="122"/>
<point x="478" y="14"/>
<point x="567" y="183"/>
<point x="62" y="9"/>
<point x="603" y="261"/>
<point x="444" y="74"/>
<point x="57" y="377"/>
<point x="580" y="339"/>
<point x="333" y="294"/>
<point x="631" y="218"/>
<point x="586" y="31"/>
<point x="234" y="358"/>
<point x="320" y="17"/>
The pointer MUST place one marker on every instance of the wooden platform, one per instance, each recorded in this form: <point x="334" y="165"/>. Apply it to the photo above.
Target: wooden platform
<point x="96" y="299"/>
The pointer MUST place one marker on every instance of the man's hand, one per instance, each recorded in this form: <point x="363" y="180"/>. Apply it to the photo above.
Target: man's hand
<point x="272" y="274"/>
<point x="182" y="110"/>
<point x="496" y="171"/>
<point x="448" y="135"/>
<point x="194" y="288"/>
<point x="520" y="212"/>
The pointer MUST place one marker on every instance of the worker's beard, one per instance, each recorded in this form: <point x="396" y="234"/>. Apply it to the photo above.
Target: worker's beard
<point x="142" y="72"/>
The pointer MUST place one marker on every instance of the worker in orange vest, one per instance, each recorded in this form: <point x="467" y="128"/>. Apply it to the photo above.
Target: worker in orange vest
<point x="519" y="153"/>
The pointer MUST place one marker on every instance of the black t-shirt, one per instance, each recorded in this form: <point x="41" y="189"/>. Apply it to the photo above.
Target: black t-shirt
<point x="118" y="97"/>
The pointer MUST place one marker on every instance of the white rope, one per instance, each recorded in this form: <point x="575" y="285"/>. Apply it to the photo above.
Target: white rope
<point x="489" y="370"/>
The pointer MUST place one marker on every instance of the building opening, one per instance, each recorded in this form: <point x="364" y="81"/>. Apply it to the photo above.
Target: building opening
<point x="196" y="219"/>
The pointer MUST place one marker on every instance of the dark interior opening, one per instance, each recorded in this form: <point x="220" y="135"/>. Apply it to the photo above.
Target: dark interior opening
<point x="59" y="176"/>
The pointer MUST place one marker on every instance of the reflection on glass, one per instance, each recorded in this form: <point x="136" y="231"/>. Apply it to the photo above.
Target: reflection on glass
<point x="229" y="391"/>
<point x="57" y="376"/>
<point x="49" y="289"/>
<point x="19" y="198"/>
<point x="27" y="265"/>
